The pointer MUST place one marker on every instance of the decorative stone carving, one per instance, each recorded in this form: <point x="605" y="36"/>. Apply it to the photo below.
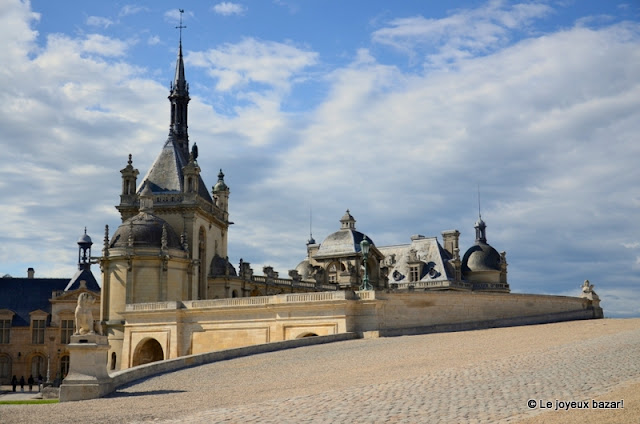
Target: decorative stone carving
<point x="295" y="275"/>
<point x="588" y="292"/>
<point x="84" y="316"/>
<point x="318" y="274"/>
<point x="412" y="256"/>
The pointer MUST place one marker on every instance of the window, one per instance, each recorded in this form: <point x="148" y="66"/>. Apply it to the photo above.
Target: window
<point x="333" y="273"/>
<point x="37" y="331"/>
<point x="5" y="331"/>
<point x="66" y="331"/>
<point x="64" y="366"/>
<point x="38" y="366"/>
<point x="5" y="367"/>
<point x="414" y="273"/>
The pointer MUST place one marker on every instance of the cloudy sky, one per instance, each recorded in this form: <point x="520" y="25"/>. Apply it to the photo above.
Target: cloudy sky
<point x="398" y="111"/>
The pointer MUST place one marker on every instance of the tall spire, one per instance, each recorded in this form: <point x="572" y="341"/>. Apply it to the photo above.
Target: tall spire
<point x="179" y="98"/>
<point x="481" y="227"/>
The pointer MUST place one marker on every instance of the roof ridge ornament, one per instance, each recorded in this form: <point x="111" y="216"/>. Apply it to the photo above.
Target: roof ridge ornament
<point x="181" y="26"/>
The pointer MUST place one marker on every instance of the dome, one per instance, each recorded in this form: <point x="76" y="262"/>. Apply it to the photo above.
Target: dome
<point x="145" y="230"/>
<point x="343" y="241"/>
<point x="220" y="185"/>
<point x="481" y="257"/>
<point x="305" y="269"/>
<point x="84" y="239"/>
<point x="221" y="266"/>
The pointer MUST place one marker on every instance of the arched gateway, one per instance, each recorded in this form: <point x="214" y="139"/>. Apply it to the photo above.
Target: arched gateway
<point x="149" y="350"/>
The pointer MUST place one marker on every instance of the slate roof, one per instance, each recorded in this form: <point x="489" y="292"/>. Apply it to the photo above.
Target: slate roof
<point x="146" y="231"/>
<point x="428" y="250"/>
<point x="342" y="242"/>
<point x="481" y="257"/>
<point x="25" y="295"/>
<point x="165" y="175"/>
<point x="86" y="275"/>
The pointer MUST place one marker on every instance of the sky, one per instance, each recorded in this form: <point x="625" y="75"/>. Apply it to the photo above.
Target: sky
<point x="406" y="113"/>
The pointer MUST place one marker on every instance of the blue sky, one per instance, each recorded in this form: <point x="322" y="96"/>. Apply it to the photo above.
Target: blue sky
<point x="395" y="110"/>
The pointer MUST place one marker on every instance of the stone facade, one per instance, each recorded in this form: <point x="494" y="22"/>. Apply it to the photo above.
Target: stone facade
<point x="37" y="320"/>
<point x="169" y="290"/>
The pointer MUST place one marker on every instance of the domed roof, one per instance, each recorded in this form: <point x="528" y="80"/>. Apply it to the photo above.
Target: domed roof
<point x="305" y="269"/>
<point x="341" y="242"/>
<point x="84" y="239"/>
<point x="220" y="185"/>
<point x="481" y="257"/>
<point x="221" y="266"/>
<point x="145" y="230"/>
<point x="344" y="241"/>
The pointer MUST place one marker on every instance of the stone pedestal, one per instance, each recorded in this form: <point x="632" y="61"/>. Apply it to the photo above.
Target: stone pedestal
<point x="88" y="377"/>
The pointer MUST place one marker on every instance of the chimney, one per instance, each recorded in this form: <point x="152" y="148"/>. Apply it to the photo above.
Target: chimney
<point x="31" y="272"/>
<point x="450" y="240"/>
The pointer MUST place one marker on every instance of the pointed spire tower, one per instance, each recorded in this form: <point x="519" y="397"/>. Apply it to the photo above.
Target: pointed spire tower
<point x="173" y="191"/>
<point x="179" y="98"/>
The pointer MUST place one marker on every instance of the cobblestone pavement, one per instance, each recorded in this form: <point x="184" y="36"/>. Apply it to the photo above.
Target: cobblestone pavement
<point x="482" y="376"/>
<point x="487" y="392"/>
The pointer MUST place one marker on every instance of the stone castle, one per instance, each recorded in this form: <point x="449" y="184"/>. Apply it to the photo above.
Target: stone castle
<point x="169" y="290"/>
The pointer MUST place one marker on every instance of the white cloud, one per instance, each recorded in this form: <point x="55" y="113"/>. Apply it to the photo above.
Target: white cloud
<point x="227" y="8"/>
<point x="253" y="61"/>
<point x="99" y="21"/>
<point x="104" y="46"/>
<point x="547" y="126"/>
<point x="131" y="9"/>
<point x="153" y="40"/>
<point x="465" y="33"/>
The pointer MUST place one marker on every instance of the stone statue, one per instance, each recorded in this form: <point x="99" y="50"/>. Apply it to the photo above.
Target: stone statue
<point x="588" y="292"/>
<point x="84" y="316"/>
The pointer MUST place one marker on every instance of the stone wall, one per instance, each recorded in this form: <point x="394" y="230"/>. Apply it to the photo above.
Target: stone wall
<point x="199" y="326"/>
<point x="414" y="313"/>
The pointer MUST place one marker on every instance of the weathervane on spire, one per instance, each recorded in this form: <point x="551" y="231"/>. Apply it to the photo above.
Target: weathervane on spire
<point x="181" y="26"/>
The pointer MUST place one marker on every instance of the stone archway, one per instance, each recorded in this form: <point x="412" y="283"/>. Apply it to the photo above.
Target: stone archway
<point x="149" y="350"/>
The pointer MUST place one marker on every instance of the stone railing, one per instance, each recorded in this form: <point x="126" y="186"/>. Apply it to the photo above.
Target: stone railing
<point x="286" y="282"/>
<point x="430" y="285"/>
<point x="223" y="303"/>
<point x="319" y="296"/>
<point x="153" y="306"/>
<point x="245" y="301"/>
<point x="366" y="294"/>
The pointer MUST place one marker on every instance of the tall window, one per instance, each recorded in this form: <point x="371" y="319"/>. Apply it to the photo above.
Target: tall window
<point x="5" y="331"/>
<point x="64" y="366"/>
<point x="202" y="254"/>
<point x="37" y="331"/>
<point x="38" y="366"/>
<point x="5" y="367"/>
<point x="66" y="330"/>
<point x="414" y="273"/>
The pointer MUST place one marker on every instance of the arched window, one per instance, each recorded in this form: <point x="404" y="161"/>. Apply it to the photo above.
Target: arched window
<point x="113" y="361"/>
<point x="38" y="365"/>
<point x="234" y="293"/>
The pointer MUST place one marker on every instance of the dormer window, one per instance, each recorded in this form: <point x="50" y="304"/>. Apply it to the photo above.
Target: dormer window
<point x="414" y="273"/>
